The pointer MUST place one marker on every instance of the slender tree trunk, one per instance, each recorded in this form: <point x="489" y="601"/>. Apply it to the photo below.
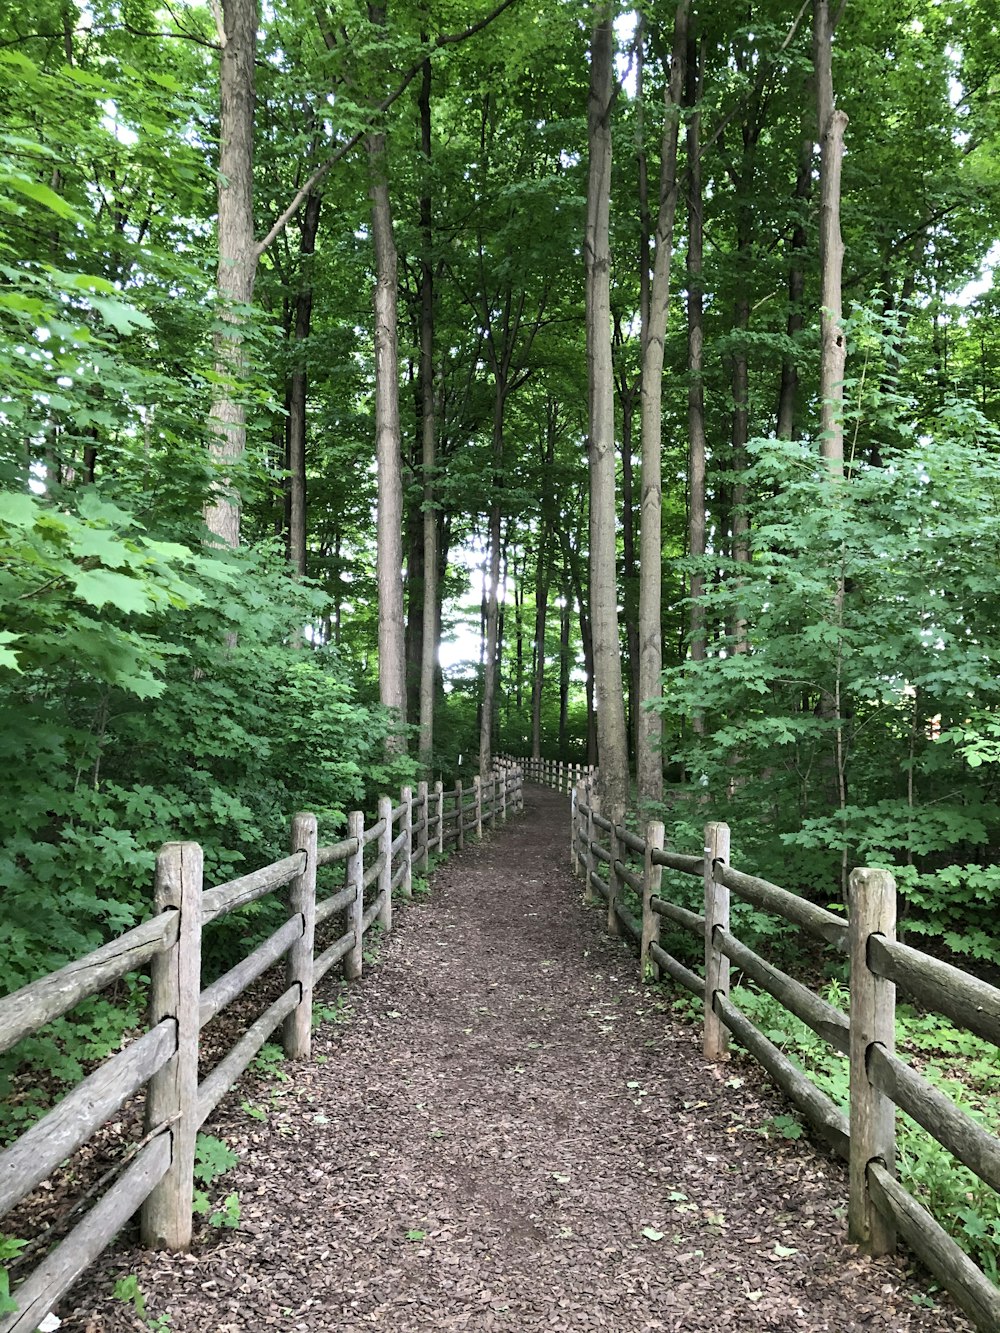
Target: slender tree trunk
<point x="788" y="393"/>
<point x="237" y="268"/>
<point x="542" y="574"/>
<point x="630" y="573"/>
<point x="564" y="631"/>
<point x="833" y="346"/>
<point x="389" y="554"/>
<point x="612" y="741"/>
<point x="696" y="386"/>
<point x="492" y="591"/>
<point x="298" y="392"/>
<point x="413" y="589"/>
<point x="428" y="436"/>
<point x="739" y="519"/>
<point x="649" y="760"/>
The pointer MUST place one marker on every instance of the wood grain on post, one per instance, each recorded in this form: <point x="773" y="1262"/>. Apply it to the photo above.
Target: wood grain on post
<point x="573" y="839"/>
<point x="406" y="883"/>
<point x="297" y="1034"/>
<point x="614" y="880"/>
<point x="356" y="910"/>
<point x="439" y="798"/>
<point x="459" y="816"/>
<point x="593" y="807"/>
<point x="872" y="905"/>
<point x="423" y="832"/>
<point x="385" y="858"/>
<point x="716" y="1037"/>
<point x="652" y="876"/>
<point x="504" y="779"/>
<point x="477" y="793"/>
<point x="172" y="1094"/>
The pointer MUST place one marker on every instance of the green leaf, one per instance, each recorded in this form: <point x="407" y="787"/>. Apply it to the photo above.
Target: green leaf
<point x="7" y="657"/>
<point x="42" y="194"/>
<point x="99" y="587"/>
<point x="651" y="1233"/>
<point x="121" y="316"/>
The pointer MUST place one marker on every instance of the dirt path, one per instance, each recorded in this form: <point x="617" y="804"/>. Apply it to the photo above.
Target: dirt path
<point x="509" y="1133"/>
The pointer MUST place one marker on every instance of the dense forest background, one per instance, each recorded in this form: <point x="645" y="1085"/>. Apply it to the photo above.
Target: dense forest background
<point x="240" y="511"/>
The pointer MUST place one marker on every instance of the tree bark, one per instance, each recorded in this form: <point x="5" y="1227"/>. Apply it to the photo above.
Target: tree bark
<point x="649" y="760"/>
<point x="833" y="346"/>
<point x="237" y="268"/>
<point x="696" y="387"/>
<point x="788" y="393"/>
<point x="612" y="741"/>
<point x="542" y="574"/>
<point x="564" y="629"/>
<point x="492" y="590"/>
<point x="428" y="436"/>
<point x="389" y="554"/>
<point x="298" y="392"/>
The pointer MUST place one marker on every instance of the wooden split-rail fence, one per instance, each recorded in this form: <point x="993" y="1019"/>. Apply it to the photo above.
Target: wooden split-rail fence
<point x="159" y="1178"/>
<point x="612" y="858"/>
<point x="556" y="773"/>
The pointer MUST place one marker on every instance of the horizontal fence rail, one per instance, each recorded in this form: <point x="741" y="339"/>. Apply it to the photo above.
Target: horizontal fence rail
<point x="158" y="1176"/>
<point x="611" y="859"/>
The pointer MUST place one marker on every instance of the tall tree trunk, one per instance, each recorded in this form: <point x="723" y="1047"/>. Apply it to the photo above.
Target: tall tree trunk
<point x="298" y="391"/>
<point x="788" y="393"/>
<point x="649" y="760"/>
<point x="237" y="268"/>
<point x="630" y="573"/>
<point x="564" y="630"/>
<point x="413" y="588"/>
<point x="612" y="741"/>
<point x="833" y="346"/>
<point x="389" y="553"/>
<point x="492" y="591"/>
<point x="739" y="519"/>
<point x="542" y="574"/>
<point x="696" y="385"/>
<point x="428" y="435"/>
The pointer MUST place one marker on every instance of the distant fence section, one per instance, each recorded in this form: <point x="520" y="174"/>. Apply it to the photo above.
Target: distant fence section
<point x="555" y="773"/>
<point x="612" y="858"/>
<point x="376" y="860"/>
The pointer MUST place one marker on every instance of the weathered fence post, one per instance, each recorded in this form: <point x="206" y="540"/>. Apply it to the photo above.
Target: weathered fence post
<point x="385" y="852"/>
<point x="174" y="992"/>
<point x="406" y="883"/>
<point x="297" y="1033"/>
<point x="573" y="840"/>
<point x="460" y="817"/>
<point x="614" y="880"/>
<point x="423" y="834"/>
<point x="593" y="807"/>
<point x="493" y="798"/>
<point x="504" y="779"/>
<point x="652" y="876"/>
<point x="477" y="792"/>
<point x="439" y="797"/>
<point x="716" y="1036"/>
<point x="873" y="1022"/>
<point x="355" y="878"/>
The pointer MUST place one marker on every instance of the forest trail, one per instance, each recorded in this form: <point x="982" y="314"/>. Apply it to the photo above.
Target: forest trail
<point x="510" y="1133"/>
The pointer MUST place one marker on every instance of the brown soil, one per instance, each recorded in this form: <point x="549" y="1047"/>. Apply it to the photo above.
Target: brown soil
<point x="511" y="1133"/>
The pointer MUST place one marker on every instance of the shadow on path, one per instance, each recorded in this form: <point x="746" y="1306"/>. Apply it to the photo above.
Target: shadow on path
<point x="510" y="1133"/>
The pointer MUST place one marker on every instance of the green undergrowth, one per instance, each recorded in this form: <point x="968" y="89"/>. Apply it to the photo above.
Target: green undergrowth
<point x="35" y="1073"/>
<point x="961" y="1065"/>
